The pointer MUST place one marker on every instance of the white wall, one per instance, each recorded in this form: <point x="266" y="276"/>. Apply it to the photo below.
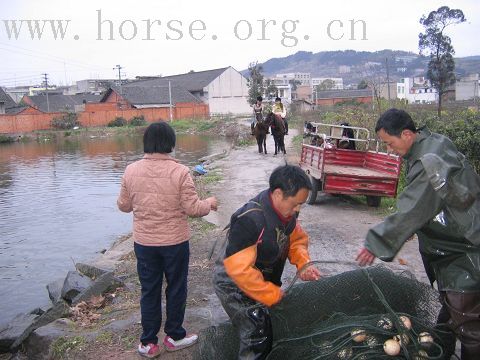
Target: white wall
<point x="228" y="93"/>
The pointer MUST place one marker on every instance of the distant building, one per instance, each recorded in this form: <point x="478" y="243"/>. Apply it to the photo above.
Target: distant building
<point x="10" y="107"/>
<point x="332" y="97"/>
<point x="17" y="92"/>
<point x="344" y="69"/>
<point x="96" y="86"/>
<point x="139" y="97"/>
<point x="337" y="82"/>
<point x="284" y="88"/>
<point x="467" y="88"/>
<point x="60" y="102"/>
<point x="224" y="90"/>
<point x="416" y="90"/>
<point x="302" y="78"/>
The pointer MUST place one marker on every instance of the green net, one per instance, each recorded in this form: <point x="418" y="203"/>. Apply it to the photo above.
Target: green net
<point x="348" y="316"/>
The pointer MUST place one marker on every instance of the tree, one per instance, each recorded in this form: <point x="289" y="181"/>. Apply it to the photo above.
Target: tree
<point x="327" y="84"/>
<point x="362" y="84"/>
<point x="441" y="65"/>
<point x="255" y="82"/>
<point x="271" y="89"/>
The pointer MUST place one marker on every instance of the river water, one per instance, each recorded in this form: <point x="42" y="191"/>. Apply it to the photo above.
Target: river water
<point x="58" y="206"/>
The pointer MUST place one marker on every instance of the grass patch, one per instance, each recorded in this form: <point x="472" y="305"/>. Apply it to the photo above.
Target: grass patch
<point x="211" y="177"/>
<point x="105" y="338"/>
<point x="6" y="139"/>
<point x="128" y="341"/>
<point x="63" y="345"/>
<point x="200" y="225"/>
<point x="243" y="142"/>
<point x="191" y="125"/>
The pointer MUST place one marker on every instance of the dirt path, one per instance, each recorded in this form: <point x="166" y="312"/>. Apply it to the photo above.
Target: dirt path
<point x="336" y="225"/>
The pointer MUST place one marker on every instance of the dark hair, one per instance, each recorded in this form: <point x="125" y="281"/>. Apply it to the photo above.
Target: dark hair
<point x="259" y="98"/>
<point x="290" y="179"/>
<point x="159" y="137"/>
<point x="278" y="99"/>
<point x="394" y="121"/>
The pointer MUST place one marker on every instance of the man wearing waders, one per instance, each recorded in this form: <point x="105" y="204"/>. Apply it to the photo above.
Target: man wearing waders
<point x="263" y="234"/>
<point x="441" y="204"/>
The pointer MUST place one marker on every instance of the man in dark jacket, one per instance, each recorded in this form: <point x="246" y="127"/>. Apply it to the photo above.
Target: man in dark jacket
<point x="441" y="204"/>
<point x="263" y="234"/>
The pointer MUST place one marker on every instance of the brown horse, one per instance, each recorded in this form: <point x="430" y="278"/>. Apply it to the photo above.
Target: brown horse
<point x="260" y="131"/>
<point x="277" y="125"/>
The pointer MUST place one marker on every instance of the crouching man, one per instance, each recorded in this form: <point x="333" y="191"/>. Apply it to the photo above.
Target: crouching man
<point x="263" y="234"/>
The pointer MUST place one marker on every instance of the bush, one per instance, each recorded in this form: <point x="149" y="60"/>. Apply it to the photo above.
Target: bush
<point x="117" y="122"/>
<point x="138" y="121"/>
<point x="67" y="121"/>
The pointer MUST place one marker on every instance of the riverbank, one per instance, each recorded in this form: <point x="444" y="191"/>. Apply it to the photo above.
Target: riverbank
<point x="336" y="226"/>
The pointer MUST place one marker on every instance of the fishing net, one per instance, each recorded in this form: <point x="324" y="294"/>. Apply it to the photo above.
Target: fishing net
<point x="347" y="316"/>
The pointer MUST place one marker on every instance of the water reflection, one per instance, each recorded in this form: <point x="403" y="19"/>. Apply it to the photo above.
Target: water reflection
<point x="58" y="206"/>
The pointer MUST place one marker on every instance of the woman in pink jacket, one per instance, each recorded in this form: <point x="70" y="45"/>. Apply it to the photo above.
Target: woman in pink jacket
<point x="161" y="194"/>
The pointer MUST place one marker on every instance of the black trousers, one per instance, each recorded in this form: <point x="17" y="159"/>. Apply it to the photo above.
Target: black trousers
<point x="250" y="318"/>
<point x="461" y="312"/>
<point x="153" y="262"/>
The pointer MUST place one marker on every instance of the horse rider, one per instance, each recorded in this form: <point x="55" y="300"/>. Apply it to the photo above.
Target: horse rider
<point x="257" y="112"/>
<point x="280" y="110"/>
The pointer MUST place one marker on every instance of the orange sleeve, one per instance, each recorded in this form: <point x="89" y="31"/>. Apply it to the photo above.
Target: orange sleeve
<point x="298" y="253"/>
<point x="241" y="269"/>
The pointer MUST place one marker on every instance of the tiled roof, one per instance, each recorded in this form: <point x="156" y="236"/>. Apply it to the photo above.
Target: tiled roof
<point x="59" y="103"/>
<point x="6" y="99"/>
<point x="192" y="81"/>
<point x="156" y="94"/>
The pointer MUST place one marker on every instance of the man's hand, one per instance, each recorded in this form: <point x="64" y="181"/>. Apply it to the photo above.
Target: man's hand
<point x="365" y="257"/>
<point x="310" y="274"/>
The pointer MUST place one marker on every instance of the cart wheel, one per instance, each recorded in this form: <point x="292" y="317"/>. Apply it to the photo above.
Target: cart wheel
<point x="312" y="194"/>
<point x="374" y="201"/>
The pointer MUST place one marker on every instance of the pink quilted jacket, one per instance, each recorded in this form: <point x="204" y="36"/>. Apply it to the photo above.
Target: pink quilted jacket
<point x="161" y="194"/>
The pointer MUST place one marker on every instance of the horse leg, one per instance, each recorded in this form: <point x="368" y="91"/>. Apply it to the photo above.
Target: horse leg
<point x="265" y="143"/>
<point x="259" y="143"/>
<point x="283" y="145"/>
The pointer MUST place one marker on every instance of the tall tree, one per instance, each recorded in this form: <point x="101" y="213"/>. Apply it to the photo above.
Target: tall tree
<point x="271" y="89"/>
<point x="439" y="46"/>
<point x="327" y="84"/>
<point x="255" y="82"/>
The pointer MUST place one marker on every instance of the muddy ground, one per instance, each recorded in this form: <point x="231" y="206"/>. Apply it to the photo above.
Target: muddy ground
<point x="336" y="225"/>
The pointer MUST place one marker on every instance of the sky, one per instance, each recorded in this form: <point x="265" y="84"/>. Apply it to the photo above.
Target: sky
<point x="147" y="37"/>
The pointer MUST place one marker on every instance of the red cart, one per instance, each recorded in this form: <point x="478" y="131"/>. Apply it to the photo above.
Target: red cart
<point x="336" y="170"/>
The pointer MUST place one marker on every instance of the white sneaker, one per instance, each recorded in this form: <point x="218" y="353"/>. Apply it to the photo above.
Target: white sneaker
<point x="174" y="345"/>
<point x="149" y="351"/>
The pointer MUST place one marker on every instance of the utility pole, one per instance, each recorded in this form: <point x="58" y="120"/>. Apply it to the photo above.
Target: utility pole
<point x="45" y="79"/>
<point x="170" y="99"/>
<point x="119" y="77"/>
<point x="388" y="81"/>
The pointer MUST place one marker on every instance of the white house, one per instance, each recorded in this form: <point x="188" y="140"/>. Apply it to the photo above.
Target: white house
<point x="467" y="88"/>
<point x="225" y="90"/>
<point x="416" y="90"/>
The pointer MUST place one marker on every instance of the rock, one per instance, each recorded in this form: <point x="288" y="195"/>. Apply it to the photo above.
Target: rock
<point x="55" y="290"/>
<point x="14" y="329"/>
<point x="103" y="284"/>
<point x="74" y="284"/>
<point x="59" y="309"/>
<point x="91" y="271"/>
<point x="39" y="342"/>
<point x="213" y="157"/>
